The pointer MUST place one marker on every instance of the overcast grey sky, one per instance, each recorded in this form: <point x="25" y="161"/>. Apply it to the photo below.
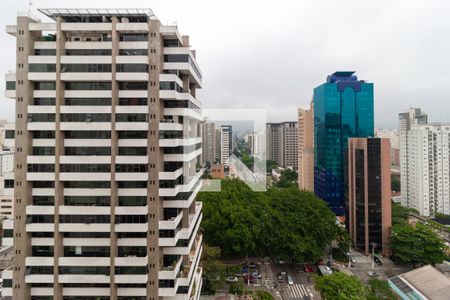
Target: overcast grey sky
<point x="271" y="54"/>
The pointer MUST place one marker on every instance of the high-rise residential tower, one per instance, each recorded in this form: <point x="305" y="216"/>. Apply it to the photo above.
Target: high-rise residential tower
<point x="407" y="119"/>
<point x="368" y="209"/>
<point x="282" y="144"/>
<point x="209" y="142"/>
<point x="343" y="108"/>
<point x="226" y="144"/>
<point x="107" y="138"/>
<point x="306" y="148"/>
<point x="425" y="169"/>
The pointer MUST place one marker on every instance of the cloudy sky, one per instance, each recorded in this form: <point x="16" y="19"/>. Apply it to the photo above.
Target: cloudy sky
<point x="271" y="54"/>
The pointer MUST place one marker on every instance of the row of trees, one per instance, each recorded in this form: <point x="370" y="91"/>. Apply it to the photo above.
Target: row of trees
<point x="279" y="222"/>
<point x="339" y="286"/>
<point x="414" y="244"/>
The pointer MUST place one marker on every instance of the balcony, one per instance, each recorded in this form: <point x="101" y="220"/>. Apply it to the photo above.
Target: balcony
<point x="181" y="203"/>
<point x="171" y="271"/>
<point x="131" y="227"/>
<point x="86" y="292"/>
<point x="185" y="157"/>
<point x="131" y="210"/>
<point x="130" y="261"/>
<point x="131" y="278"/>
<point x="130" y="292"/>
<point x="84" y="261"/>
<point x="82" y="227"/>
<point x="85" y="176"/>
<point x="39" y="278"/>
<point x="179" y="142"/>
<point x="185" y="112"/>
<point x="171" y="175"/>
<point x="172" y="223"/>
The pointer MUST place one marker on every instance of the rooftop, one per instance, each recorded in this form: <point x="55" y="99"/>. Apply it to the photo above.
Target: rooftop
<point x="426" y="281"/>
<point x="96" y="14"/>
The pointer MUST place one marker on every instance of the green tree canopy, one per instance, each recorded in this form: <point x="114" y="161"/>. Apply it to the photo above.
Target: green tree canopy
<point x="379" y="290"/>
<point x="287" y="179"/>
<point x="279" y="222"/>
<point x="419" y="244"/>
<point x="339" y="286"/>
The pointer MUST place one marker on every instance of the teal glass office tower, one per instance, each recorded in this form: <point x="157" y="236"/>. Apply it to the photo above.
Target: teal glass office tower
<point x="343" y="108"/>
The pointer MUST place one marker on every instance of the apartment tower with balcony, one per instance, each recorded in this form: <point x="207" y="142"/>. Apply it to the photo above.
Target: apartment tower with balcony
<point x="107" y="137"/>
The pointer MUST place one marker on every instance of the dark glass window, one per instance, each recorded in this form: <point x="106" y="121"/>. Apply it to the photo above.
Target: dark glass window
<point x="131" y="270"/>
<point x="138" y="151"/>
<point x="10" y="85"/>
<point x="43" y="150"/>
<point x="41" y="118"/>
<point x="132" y="134"/>
<point x="133" y="86"/>
<point x="85" y="117"/>
<point x="131" y="219"/>
<point x="169" y="85"/>
<point x="88" y="134"/>
<point x="87" y="184"/>
<point x="133" y="37"/>
<point x="43" y="101"/>
<point x="8" y="233"/>
<point x="43" y="184"/>
<point x="43" y="134"/>
<point x="85" y="168"/>
<point x="44" y="200"/>
<point x="33" y="270"/>
<point x="172" y="43"/>
<point x="45" y="86"/>
<point x="132" y="200"/>
<point x="131" y="117"/>
<point x="87" y="101"/>
<point x="133" y="101"/>
<point x="87" y="235"/>
<point x="84" y="219"/>
<point x="84" y="270"/>
<point x="42" y="250"/>
<point x="40" y="219"/>
<point x="44" y="51"/>
<point x="86" y="251"/>
<point x="80" y="86"/>
<point x="9" y="183"/>
<point x="87" y="200"/>
<point x="41" y="68"/>
<point x="83" y="68"/>
<point x="37" y="168"/>
<point x="132" y="184"/>
<point x="90" y="52"/>
<point x="176" y="58"/>
<point x="10" y="134"/>
<point x="131" y="168"/>
<point x="133" y="52"/>
<point x="132" y="68"/>
<point x="87" y="151"/>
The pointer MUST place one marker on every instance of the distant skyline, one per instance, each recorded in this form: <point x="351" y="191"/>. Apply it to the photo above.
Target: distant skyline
<point x="272" y="54"/>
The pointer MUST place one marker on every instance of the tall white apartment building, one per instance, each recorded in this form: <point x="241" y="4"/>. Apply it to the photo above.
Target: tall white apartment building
<point x="408" y="118"/>
<point x="282" y="143"/>
<point x="107" y="137"/>
<point x="209" y="140"/>
<point x="226" y="140"/>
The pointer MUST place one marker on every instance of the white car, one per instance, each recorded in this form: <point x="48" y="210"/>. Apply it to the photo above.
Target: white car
<point x="290" y="280"/>
<point x="373" y="274"/>
<point x="232" y="279"/>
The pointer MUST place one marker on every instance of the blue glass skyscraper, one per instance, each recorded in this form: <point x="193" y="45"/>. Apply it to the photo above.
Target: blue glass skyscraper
<point x="343" y="108"/>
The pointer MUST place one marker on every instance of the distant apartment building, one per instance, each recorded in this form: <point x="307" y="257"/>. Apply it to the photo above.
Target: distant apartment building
<point x="343" y="108"/>
<point x="407" y="119"/>
<point x="368" y="207"/>
<point x="7" y="173"/>
<point x="209" y="139"/>
<point x="107" y="138"/>
<point x="226" y="144"/>
<point x="306" y="148"/>
<point x="282" y="144"/>
<point x="256" y="143"/>
<point x="217" y="172"/>
<point x="425" y="168"/>
<point x="394" y="137"/>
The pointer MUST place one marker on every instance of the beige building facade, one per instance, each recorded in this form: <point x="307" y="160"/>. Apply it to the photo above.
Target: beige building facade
<point x="107" y="138"/>
<point x="306" y="148"/>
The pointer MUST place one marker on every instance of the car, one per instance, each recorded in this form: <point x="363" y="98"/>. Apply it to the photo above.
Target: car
<point x="373" y="274"/>
<point x="290" y="280"/>
<point x="232" y="279"/>
<point x="281" y="262"/>
<point x="256" y="275"/>
<point x="378" y="261"/>
<point x="308" y="269"/>
<point x="253" y="266"/>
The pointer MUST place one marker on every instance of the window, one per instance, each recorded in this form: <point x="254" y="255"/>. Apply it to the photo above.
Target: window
<point x="43" y="150"/>
<point x="87" y="101"/>
<point x="87" y="200"/>
<point x="90" y="52"/>
<point x="132" y="101"/>
<point x="8" y="233"/>
<point x="85" y="117"/>
<point x="138" y="151"/>
<point x="133" y="52"/>
<point x="139" y="251"/>
<point x="41" y="118"/>
<point x="131" y="219"/>
<point x="132" y="184"/>
<point x="43" y="134"/>
<point x="131" y="270"/>
<point x="137" y="86"/>
<point x="10" y="85"/>
<point x="131" y="117"/>
<point x="43" y="184"/>
<point x="10" y="134"/>
<point x="131" y="168"/>
<point x="87" y="235"/>
<point x="172" y="43"/>
<point x="9" y="183"/>
<point x="79" y="86"/>
<point x="130" y="37"/>
<point x="85" y="219"/>
<point x="169" y="85"/>
<point x="132" y="200"/>
<point x="34" y="270"/>
<point x="43" y="101"/>
<point x="84" y="270"/>
<point x="40" y="219"/>
<point x="42" y="68"/>
<point x="132" y="134"/>
<point x="183" y="58"/>
<point x="87" y="184"/>
<point x="45" y="86"/>
<point x="87" y="251"/>
<point x="83" y="68"/>
<point x="42" y="250"/>
<point x="85" y="168"/>
<point x="44" y="51"/>
<point x="87" y="151"/>
<point x="88" y="134"/>
<point x="41" y="168"/>
<point x="44" y="200"/>
<point x="132" y="68"/>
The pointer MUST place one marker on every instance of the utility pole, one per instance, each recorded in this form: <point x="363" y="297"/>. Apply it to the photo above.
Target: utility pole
<point x="373" y="255"/>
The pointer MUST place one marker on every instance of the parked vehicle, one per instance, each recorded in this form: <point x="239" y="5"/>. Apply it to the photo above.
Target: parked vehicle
<point x="290" y="280"/>
<point x="232" y="279"/>
<point x="256" y="275"/>
<point x="377" y="260"/>
<point x="308" y="269"/>
<point x="373" y="274"/>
